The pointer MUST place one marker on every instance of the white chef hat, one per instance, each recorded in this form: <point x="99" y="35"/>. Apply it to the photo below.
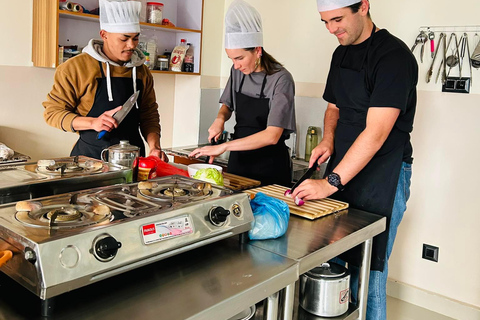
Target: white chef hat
<point x="120" y="16"/>
<point x="243" y="26"/>
<point x="327" y="5"/>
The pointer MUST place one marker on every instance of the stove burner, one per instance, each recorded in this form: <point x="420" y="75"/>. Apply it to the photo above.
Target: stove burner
<point x="67" y="167"/>
<point x="178" y="192"/>
<point x="174" y="192"/>
<point x="63" y="214"/>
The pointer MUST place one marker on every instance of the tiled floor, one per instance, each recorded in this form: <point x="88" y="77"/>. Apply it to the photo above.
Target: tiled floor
<point x="401" y="310"/>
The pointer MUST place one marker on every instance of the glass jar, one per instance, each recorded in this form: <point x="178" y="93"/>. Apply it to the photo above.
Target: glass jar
<point x="311" y="142"/>
<point x="154" y="12"/>
<point x="163" y="63"/>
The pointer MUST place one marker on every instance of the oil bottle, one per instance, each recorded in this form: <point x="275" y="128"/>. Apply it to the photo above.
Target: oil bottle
<point x="311" y="142"/>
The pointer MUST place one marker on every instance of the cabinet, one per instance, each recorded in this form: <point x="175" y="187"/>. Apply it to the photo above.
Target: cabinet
<point x="53" y="27"/>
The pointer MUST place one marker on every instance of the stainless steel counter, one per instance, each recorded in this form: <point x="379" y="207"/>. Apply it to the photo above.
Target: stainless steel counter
<point x="213" y="282"/>
<point x="314" y="242"/>
<point x="216" y="281"/>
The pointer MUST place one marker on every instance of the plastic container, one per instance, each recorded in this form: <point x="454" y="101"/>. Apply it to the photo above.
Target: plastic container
<point x="154" y="12"/>
<point x="311" y="141"/>
<point x="162" y="63"/>
<point x="188" y="65"/>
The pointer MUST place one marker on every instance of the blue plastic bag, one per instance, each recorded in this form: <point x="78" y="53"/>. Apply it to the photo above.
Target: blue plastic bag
<point x="271" y="217"/>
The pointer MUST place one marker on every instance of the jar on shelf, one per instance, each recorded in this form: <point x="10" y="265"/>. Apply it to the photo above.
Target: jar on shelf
<point x="154" y="12"/>
<point x="162" y="63"/>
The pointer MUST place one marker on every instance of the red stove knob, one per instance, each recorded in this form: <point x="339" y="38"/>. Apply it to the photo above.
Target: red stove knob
<point x="218" y="216"/>
<point x="105" y="247"/>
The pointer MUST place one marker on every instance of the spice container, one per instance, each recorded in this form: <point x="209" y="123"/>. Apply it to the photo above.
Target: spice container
<point x="154" y="12"/>
<point x="162" y="63"/>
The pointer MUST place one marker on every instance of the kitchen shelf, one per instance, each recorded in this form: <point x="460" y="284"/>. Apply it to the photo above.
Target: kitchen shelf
<point x="93" y="17"/>
<point x="53" y="27"/>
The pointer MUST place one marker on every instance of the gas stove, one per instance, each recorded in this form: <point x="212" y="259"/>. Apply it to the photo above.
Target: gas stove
<point x="19" y="181"/>
<point x="70" y="240"/>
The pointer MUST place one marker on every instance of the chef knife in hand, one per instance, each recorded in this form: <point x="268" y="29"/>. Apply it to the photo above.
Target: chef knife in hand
<point x="122" y="113"/>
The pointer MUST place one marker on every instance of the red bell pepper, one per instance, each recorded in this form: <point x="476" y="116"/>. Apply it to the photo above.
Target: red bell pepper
<point x="165" y="169"/>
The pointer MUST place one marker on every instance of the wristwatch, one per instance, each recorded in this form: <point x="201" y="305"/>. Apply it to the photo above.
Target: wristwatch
<point x="334" y="179"/>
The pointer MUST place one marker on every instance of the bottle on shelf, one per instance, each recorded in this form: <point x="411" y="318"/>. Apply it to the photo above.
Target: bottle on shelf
<point x="147" y="60"/>
<point x="178" y="54"/>
<point x="188" y="63"/>
<point x="311" y="142"/>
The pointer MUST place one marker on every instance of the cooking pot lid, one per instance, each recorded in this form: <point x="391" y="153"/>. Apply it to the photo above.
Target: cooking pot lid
<point x="124" y="146"/>
<point x="327" y="270"/>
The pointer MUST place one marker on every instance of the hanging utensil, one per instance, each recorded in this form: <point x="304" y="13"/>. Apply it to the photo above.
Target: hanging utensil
<point x="452" y="60"/>
<point x="469" y="60"/>
<point x="443" y="64"/>
<point x="430" y="71"/>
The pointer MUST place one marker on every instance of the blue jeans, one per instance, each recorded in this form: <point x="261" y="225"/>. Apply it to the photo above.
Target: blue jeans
<point x="377" y="286"/>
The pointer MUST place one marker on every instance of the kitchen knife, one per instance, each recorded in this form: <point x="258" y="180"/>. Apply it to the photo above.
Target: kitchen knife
<point x="306" y="175"/>
<point x="122" y="113"/>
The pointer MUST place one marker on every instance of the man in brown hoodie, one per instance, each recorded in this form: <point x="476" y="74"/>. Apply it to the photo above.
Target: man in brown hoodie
<point x="89" y="88"/>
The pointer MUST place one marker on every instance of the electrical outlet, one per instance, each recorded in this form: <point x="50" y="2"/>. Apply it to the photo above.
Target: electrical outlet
<point x="430" y="252"/>
<point x="457" y="85"/>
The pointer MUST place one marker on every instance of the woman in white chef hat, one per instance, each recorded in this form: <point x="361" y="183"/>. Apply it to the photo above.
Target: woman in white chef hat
<point x="261" y="93"/>
<point x="90" y="87"/>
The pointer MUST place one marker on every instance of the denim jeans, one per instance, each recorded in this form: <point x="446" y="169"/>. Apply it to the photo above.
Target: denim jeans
<point x="377" y="286"/>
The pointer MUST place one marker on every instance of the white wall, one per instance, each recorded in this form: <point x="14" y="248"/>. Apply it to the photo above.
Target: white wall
<point x="443" y="208"/>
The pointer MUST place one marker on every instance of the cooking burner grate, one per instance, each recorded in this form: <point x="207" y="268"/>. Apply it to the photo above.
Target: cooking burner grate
<point x="61" y="216"/>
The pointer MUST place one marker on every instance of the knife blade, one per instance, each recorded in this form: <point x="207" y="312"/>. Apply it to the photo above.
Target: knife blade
<point x="122" y="113"/>
<point x="306" y="175"/>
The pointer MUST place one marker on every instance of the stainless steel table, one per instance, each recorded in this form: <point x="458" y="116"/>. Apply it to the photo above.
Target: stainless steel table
<point x="314" y="242"/>
<point x="212" y="282"/>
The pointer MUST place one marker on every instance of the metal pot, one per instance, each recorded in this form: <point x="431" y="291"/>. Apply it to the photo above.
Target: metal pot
<point x="325" y="290"/>
<point x="121" y="155"/>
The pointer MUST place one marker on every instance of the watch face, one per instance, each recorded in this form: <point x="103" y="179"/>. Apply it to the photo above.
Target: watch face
<point x="334" y="179"/>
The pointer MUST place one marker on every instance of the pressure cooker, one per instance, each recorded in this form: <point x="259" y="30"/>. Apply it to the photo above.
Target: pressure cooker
<point x="325" y="290"/>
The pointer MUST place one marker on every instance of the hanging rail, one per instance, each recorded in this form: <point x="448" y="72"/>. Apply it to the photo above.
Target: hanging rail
<point x="448" y="29"/>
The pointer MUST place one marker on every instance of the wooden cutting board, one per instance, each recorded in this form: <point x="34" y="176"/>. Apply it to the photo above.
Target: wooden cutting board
<point x="312" y="209"/>
<point x="235" y="182"/>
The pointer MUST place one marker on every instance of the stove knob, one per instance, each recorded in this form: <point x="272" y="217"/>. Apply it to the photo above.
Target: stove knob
<point x="218" y="216"/>
<point x="105" y="248"/>
<point x="30" y="255"/>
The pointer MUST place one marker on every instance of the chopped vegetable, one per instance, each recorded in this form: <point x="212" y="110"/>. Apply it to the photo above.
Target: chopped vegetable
<point x="288" y="193"/>
<point x="299" y="202"/>
<point x="209" y="175"/>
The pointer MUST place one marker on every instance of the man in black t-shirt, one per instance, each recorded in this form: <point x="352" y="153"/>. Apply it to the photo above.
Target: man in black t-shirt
<point x="371" y="95"/>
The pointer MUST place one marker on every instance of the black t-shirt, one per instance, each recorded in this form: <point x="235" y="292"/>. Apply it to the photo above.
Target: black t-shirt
<point x="391" y="77"/>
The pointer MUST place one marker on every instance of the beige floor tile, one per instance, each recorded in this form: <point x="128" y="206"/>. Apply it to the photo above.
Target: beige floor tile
<point x="401" y="310"/>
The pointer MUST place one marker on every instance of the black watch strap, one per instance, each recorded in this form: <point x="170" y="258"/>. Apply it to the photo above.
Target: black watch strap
<point x="335" y="180"/>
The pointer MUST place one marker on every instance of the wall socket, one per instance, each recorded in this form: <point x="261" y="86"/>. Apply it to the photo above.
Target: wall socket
<point x="430" y="252"/>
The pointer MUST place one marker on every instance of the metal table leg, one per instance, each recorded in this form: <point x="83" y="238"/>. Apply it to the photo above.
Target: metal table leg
<point x="288" y="302"/>
<point x="364" y="278"/>
<point x="270" y="307"/>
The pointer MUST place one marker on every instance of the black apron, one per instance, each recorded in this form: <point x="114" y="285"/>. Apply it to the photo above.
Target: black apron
<point x="270" y="164"/>
<point x="122" y="88"/>
<point x="373" y="188"/>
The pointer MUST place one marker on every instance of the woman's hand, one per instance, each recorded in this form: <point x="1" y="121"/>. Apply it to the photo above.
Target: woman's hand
<point x="216" y="129"/>
<point x="210" y="151"/>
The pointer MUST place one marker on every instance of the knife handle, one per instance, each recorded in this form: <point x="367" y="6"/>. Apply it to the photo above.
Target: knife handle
<point x="101" y="134"/>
